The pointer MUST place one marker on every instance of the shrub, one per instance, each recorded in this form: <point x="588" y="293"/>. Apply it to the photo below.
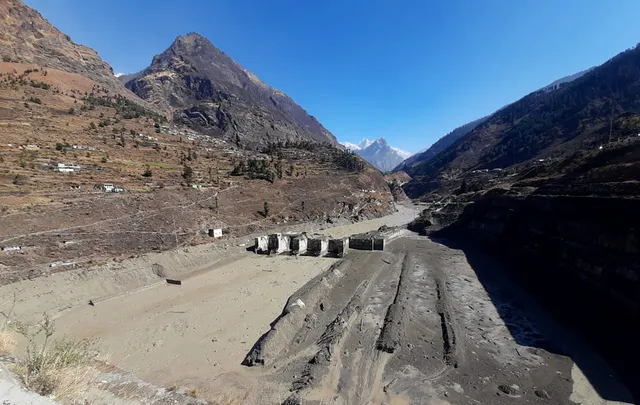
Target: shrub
<point x="147" y="172"/>
<point x="35" y="100"/>
<point x="187" y="173"/>
<point x="265" y="209"/>
<point x="72" y="110"/>
<point x="60" y="368"/>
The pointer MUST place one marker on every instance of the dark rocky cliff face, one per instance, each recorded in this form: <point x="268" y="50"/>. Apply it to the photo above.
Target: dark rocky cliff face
<point x="579" y="254"/>
<point x="202" y="87"/>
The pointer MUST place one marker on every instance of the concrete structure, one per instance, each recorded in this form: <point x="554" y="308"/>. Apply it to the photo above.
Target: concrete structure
<point x="318" y="245"/>
<point x="299" y="244"/>
<point x="107" y="188"/>
<point x="361" y="242"/>
<point x="338" y="247"/>
<point x="279" y="243"/>
<point x="261" y="244"/>
<point x="378" y="243"/>
<point x="215" y="233"/>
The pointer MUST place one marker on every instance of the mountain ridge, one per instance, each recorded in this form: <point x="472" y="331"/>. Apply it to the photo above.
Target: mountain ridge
<point x="447" y="140"/>
<point x="205" y="89"/>
<point x="544" y="124"/>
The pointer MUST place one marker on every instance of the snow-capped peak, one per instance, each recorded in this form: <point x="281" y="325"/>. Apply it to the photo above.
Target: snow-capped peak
<point x="351" y="146"/>
<point x="404" y="154"/>
<point x="119" y="74"/>
<point x="365" y="143"/>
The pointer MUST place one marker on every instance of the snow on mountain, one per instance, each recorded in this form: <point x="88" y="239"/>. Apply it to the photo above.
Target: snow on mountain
<point x="351" y="146"/>
<point x="404" y="154"/>
<point x="378" y="153"/>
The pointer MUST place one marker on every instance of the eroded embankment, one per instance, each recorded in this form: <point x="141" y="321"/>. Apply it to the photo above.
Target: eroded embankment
<point x="298" y="307"/>
<point x="579" y="255"/>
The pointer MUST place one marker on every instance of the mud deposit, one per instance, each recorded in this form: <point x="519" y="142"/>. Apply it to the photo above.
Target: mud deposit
<point x="414" y="325"/>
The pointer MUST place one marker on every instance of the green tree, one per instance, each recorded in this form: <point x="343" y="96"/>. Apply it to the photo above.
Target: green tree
<point x="147" y="172"/>
<point x="92" y="125"/>
<point x="187" y="173"/>
<point x="265" y="209"/>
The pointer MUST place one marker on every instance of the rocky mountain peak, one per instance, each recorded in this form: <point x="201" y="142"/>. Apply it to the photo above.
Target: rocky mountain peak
<point x="378" y="153"/>
<point x="202" y="87"/>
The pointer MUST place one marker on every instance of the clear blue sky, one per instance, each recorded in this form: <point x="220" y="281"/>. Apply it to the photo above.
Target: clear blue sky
<point x="409" y="71"/>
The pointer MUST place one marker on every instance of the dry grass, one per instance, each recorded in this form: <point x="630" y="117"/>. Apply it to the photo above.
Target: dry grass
<point x="7" y="342"/>
<point x="61" y="369"/>
<point x="193" y="393"/>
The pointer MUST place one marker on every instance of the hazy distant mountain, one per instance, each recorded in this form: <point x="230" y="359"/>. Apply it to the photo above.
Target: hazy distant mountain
<point x="202" y="87"/>
<point x="379" y="153"/>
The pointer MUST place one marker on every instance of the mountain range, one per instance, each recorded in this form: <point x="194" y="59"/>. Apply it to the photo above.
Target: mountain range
<point x="379" y="153"/>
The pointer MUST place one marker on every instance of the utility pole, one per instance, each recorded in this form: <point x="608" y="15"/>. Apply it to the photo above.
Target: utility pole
<point x="611" y="122"/>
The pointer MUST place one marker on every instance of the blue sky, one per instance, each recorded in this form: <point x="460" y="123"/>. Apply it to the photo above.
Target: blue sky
<point x="409" y="71"/>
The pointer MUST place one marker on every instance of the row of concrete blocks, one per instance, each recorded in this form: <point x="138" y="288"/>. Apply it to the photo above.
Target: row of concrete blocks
<point x="301" y="244"/>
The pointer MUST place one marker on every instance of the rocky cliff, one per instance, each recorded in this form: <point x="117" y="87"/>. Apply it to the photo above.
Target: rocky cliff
<point x="205" y="89"/>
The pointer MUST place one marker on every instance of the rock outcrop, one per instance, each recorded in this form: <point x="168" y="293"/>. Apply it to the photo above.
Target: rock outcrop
<point x="205" y="89"/>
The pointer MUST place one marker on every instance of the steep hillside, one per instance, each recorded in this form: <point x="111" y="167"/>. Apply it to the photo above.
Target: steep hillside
<point x="89" y="174"/>
<point x="543" y="125"/>
<point x="442" y="144"/>
<point x="26" y="37"/>
<point x="203" y="88"/>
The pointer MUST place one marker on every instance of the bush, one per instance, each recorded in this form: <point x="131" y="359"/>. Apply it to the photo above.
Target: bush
<point x="60" y="368"/>
<point x="187" y="173"/>
<point x="147" y="172"/>
<point x="35" y="100"/>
